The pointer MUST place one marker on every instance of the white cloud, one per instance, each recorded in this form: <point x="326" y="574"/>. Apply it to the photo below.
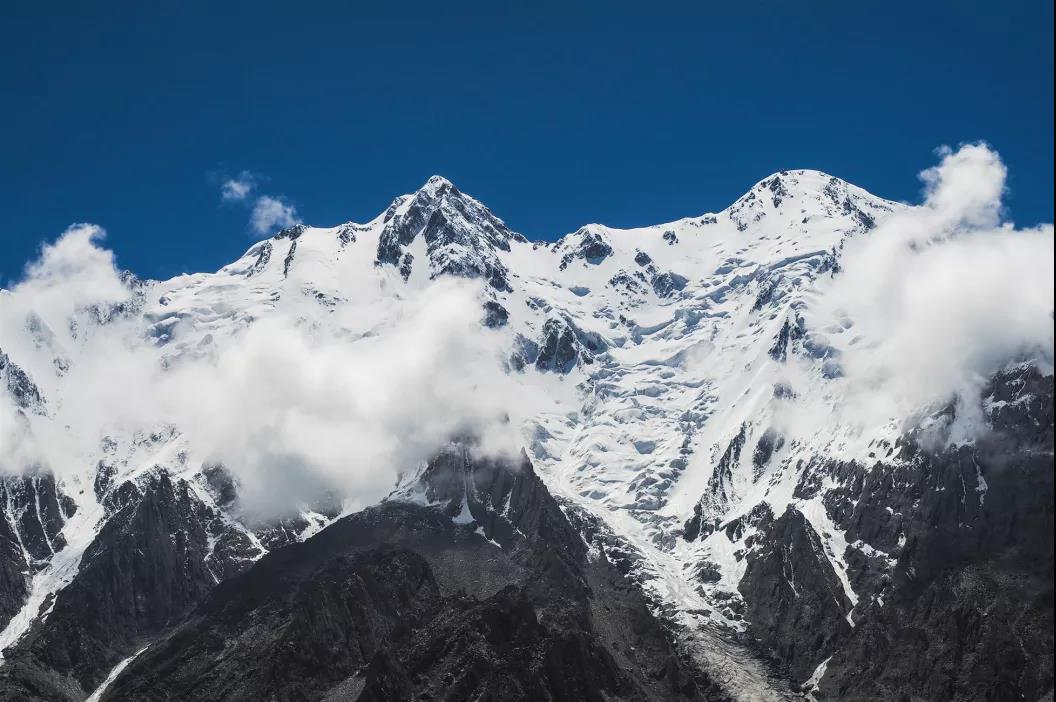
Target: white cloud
<point x="45" y="317"/>
<point x="71" y="274"/>
<point x="940" y="297"/>
<point x="268" y="213"/>
<point x="271" y="213"/>
<point x="238" y="189"/>
<point x="293" y="409"/>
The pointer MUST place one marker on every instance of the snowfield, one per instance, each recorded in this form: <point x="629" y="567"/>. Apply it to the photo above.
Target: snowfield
<point x="675" y="382"/>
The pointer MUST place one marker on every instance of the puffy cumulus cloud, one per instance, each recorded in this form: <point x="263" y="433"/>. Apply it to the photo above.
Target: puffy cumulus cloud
<point x="271" y="213"/>
<point x="295" y="409"/>
<point x="238" y="188"/>
<point x="940" y="296"/>
<point x="74" y="271"/>
<point x="965" y="188"/>
<point x="47" y="314"/>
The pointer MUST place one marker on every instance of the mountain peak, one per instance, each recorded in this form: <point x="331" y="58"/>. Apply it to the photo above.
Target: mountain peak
<point x="438" y="185"/>
<point x="461" y="234"/>
<point x="804" y="191"/>
<point x="798" y="182"/>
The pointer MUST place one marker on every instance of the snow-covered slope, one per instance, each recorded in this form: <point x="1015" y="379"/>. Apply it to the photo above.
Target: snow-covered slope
<point x="675" y="361"/>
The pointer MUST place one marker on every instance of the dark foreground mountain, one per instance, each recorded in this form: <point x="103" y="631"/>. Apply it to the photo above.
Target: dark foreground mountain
<point x="486" y="593"/>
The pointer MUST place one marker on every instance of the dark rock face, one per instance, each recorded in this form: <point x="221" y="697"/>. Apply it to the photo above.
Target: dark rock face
<point x="666" y="284"/>
<point x="791" y="331"/>
<point x="954" y="573"/>
<point x="401" y="601"/>
<point x="723" y="473"/>
<point x="24" y="392"/>
<point x="37" y="509"/>
<point x="968" y="607"/>
<point x="836" y="191"/>
<point x="563" y="345"/>
<point x="149" y="565"/>
<point x="334" y="620"/>
<point x="287" y="263"/>
<point x="768" y="286"/>
<point x="558" y="349"/>
<point x="495" y="315"/>
<point x="263" y="253"/>
<point x="525" y="352"/>
<point x="14" y="573"/>
<point x="691" y="529"/>
<point x="778" y="191"/>
<point x="795" y="601"/>
<point x="718" y="489"/>
<point x="34" y="511"/>
<point x="292" y="233"/>
<point x="629" y="285"/>
<point x="770" y="442"/>
<point x="346" y="234"/>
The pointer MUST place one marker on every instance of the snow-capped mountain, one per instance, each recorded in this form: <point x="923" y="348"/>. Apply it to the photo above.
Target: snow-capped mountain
<point x="678" y="393"/>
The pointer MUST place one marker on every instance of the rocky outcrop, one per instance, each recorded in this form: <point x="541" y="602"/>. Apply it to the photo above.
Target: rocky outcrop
<point x="14" y="573"/>
<point x="966" y="612"/>
<point x="794" y="599"/>
<point x="152" y="561"/>
<point x="558" y="348"/>
<point x="461" y="235"/>
<point x="949" y="553"/>
<point x="563" y="346"/>
<point x="791" y="331"/>
<point x="34" y="510"/>
<point x="495" y="315"/>
<point x="703" y="521"/>
<point x="21" y="388"/>
<point x="585" y="245"/>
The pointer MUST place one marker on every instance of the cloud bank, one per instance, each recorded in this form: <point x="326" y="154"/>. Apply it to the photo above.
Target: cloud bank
<point x="941" y="296"/>
<point x="295" y="409"/>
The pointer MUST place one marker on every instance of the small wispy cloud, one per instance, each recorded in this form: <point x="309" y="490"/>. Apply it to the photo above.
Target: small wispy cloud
<point x="271" y="213"/>
<point x="239" y="188"/>
<point x="268" y="213"/>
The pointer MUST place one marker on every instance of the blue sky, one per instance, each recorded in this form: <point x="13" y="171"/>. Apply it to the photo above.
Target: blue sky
<point x="554" y="114"/>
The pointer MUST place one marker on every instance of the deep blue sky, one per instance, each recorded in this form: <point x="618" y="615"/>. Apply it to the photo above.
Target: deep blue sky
<point x="553" y="114"/>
